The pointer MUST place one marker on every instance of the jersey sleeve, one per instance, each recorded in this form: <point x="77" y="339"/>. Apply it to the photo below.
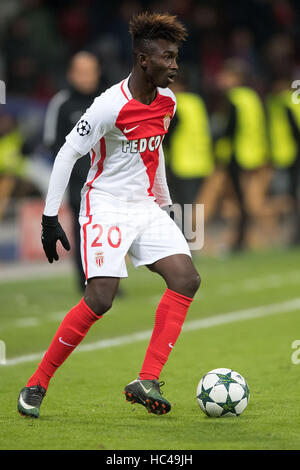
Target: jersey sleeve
<point x="160" y="187"/>
<point x="61" y="172"/>
<point x="92" y="126"/>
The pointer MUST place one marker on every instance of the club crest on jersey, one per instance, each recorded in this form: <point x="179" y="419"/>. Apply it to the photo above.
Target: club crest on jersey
<point x="99" y="258"/>
<point x="167" y="120"/>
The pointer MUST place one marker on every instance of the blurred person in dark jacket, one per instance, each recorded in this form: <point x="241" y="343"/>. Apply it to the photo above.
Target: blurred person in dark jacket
<point x="64" y="110"/>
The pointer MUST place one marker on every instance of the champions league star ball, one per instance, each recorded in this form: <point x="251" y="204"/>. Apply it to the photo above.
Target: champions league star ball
<point x="223" y="392"/>
<point x="83" y="128"/>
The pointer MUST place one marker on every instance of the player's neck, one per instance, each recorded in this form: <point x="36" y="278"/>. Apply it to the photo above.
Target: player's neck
<point x="141" y="89"/>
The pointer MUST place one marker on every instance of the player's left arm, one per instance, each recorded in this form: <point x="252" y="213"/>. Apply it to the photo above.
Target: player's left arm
<point x="160" y="187"/>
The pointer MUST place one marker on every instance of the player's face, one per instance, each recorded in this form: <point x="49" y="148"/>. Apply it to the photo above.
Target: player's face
<point x="161" y="64"/>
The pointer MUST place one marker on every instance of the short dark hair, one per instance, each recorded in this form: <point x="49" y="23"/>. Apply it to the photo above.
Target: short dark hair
<point x="146" y="27"/>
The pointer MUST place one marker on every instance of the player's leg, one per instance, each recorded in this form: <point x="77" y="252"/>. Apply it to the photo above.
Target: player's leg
<point x="103" y="260"/>
<point x="164" y="250"/>
<point x="182" y="282"/>
<point x="97" y="300"/>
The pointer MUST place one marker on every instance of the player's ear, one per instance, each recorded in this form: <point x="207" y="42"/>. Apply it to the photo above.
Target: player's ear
<point x="142" y="59"/>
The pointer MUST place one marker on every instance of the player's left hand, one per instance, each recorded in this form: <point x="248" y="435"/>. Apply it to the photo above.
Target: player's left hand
<point x="52" y="231"/>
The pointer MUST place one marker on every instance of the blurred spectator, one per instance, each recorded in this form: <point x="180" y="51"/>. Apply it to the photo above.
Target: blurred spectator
<point x="284" y="133"/>
<point x="13" y="180"/>
<point x="64" y="110"/>
<point x="284" y="14"/>
<point x="205" y="31"/>
<point x="242" y="47"/>
<point x="111" y="39"/>
<point x="74" y="25"/>
<point x="119" y="26"/>
<point x="33" y="50"/>
<point x="242" y="146"/>
<point x="9" y="9"/>
<point x="279" y="56"/>
<point x="188" y="145"/>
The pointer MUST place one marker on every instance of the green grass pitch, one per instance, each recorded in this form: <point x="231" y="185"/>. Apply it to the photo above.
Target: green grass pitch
<point x="85" y="408"/>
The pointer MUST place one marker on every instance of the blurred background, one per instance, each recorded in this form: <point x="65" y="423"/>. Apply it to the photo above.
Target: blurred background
<point x="233" y="146"/>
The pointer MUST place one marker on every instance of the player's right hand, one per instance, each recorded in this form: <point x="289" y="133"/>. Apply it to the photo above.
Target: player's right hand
<point x="51" y="232"/>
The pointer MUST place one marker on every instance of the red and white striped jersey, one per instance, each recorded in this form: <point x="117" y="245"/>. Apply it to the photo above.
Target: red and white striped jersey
<point x="124" y="139"/>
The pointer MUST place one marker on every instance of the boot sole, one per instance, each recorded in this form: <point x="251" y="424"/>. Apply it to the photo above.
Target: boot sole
<point x="155" y="406"/>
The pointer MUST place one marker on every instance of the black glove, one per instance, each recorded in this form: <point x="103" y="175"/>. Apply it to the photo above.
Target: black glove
<point x="51" y="232"/>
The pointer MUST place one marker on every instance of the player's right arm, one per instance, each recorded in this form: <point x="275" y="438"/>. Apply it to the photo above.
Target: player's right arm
<point x="95" y="123"/>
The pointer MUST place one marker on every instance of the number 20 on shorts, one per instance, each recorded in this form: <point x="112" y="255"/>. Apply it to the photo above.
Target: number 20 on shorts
<point x="111" y="232"/>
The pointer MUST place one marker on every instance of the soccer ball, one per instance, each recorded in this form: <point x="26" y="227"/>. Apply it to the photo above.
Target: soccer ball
<point x="223" y="392"/>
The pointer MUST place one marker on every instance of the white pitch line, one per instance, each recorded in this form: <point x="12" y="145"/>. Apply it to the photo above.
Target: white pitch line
<point x="27" y="322"/>
<point x="271" y="281"/>
<point x="231" y="317"/>
<point x="249" y="285"/>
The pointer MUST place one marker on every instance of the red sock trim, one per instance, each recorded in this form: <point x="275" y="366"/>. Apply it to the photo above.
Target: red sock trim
<point x="85" y="306"/>
<point x="183" y="299"/>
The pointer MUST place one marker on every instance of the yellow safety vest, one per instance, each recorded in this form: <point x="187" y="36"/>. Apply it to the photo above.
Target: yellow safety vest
<point x="250" y="143"/>
<point x="282" y="142"/>
<point x="190" y="153"/>
<point x="12" y="161"/>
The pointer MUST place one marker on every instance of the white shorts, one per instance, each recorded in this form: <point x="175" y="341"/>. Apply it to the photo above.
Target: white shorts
<point x="142" y="230"/>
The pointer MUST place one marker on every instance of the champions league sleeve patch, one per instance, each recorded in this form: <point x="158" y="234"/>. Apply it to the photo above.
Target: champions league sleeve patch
<point x="83" y="128"/>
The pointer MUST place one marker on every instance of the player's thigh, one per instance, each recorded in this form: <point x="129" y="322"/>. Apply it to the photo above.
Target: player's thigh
<point x="163" y="249"/>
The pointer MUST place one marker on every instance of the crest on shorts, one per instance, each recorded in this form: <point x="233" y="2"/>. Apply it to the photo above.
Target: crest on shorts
<point x="99" y="258"/>
<point x="167" y="120"/>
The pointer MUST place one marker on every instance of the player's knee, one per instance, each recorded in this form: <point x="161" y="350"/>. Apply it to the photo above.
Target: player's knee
<point x="192" y="283"/>
<point x="104" y="305"/>
<point x="99" y="295"/>
<point x="196" y="283"/>
<point x="186" y="283"/>
<point x="99" y="304"/>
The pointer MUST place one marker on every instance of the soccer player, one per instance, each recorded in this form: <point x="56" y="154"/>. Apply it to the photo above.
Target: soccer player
<point x="121" y="211"/>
